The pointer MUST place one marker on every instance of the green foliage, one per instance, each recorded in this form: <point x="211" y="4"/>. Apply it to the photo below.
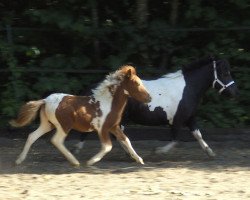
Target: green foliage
<point x="82" y="35"/>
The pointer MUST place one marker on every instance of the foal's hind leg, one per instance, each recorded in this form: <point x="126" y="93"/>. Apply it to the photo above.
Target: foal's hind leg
<point x="45" y="126"/>
<point x="58" y="140"/>
<point x="126" y="144"/>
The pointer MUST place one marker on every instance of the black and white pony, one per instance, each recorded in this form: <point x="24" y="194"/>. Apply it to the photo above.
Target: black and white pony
<point x="176" y="96"/>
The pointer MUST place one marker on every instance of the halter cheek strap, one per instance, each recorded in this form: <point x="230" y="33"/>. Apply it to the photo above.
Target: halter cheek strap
<point x="216" y="80"/>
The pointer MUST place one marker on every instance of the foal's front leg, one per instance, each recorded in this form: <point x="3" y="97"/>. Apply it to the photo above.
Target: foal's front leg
<point x="126" y="144"/>
<point x="106" y="147"/>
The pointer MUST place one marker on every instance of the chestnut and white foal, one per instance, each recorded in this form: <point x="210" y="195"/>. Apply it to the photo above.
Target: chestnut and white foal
<point x="101" y="112"/>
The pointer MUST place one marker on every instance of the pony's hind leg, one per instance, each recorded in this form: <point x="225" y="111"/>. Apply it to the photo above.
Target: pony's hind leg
<point x="106" y="147"/>
<point x="165" y="149"/>
<point x="58" y="141"/>
<point x="126" y="144"/>
<point x="44" y="127"/>
<point x="81" y="143"/>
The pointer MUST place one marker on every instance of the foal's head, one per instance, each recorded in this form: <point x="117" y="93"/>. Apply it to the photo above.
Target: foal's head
<point x="133" y="85"/>
<point x="224" y="82"/>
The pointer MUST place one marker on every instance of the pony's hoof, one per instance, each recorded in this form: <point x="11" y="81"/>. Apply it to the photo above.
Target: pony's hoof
<point x="166" y="148"/>
<point x="210" y="153"/>
<point x="18" y="161"/>
<point x="160" y="150"/>
<point x="76" y="151"/>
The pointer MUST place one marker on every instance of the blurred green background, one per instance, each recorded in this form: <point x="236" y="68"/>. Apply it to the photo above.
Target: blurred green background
<point x="64" y="46"/>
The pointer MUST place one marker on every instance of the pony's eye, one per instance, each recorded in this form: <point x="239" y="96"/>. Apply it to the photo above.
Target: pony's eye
<point x="227" y="73"/>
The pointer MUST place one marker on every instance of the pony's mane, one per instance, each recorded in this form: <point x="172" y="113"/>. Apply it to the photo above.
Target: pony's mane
<point x="173" y="75"/>
<point x="198" y="63"/>
<point x="113" y="80"/>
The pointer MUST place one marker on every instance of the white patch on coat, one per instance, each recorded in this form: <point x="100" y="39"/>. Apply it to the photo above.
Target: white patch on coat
<point x="166" y="92"/>
<point x="52" y="102"/>
<point x="103" y="95"/>
<point x="105" y="106"/>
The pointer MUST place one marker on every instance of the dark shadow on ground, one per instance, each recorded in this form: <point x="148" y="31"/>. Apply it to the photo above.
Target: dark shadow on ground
<point x="45" y="159"/>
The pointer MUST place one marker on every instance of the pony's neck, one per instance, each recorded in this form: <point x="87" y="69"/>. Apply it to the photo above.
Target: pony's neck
<point x="200" y="79"/>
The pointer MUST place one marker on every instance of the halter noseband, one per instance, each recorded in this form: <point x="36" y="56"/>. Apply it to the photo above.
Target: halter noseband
<point x="216" y="80"/>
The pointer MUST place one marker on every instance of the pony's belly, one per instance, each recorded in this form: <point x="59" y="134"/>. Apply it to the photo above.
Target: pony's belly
<point x="141" y="114"/>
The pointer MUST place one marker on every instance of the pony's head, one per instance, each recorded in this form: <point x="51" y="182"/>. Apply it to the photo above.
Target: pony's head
<point x="133" y="85"/>
<point x="223" y="80"/>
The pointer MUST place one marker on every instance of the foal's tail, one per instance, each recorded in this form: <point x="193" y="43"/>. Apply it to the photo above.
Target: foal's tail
<point x="27" y="113"/>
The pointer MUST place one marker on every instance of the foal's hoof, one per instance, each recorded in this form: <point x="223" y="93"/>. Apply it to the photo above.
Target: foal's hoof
<point x="140" y="160"/>
<point x="90" y="162"/>
<point x="76" y="164"/>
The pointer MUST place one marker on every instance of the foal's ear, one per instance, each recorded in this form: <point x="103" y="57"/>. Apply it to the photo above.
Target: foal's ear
<point x="129" y="73"/>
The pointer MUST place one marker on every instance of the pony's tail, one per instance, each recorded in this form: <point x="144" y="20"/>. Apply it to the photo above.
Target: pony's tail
<point x="27" y="113"/>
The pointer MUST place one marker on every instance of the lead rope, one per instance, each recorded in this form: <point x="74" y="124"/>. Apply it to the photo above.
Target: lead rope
<point x="216" y="80"/>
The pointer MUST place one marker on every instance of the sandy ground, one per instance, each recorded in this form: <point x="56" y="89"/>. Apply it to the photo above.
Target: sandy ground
<point x="185" y="173"/>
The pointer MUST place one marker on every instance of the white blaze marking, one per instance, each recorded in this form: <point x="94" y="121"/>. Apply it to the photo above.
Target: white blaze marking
<point x="166" y="93"/>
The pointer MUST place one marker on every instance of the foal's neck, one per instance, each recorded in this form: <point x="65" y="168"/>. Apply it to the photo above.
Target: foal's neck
<point x="119" y="100"/>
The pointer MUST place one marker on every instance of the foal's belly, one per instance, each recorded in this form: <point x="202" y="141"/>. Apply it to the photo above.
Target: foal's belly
<point x="83" y="127"/>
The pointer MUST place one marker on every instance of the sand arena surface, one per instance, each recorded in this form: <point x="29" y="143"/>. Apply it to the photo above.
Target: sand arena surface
<point x="185" y="173"/>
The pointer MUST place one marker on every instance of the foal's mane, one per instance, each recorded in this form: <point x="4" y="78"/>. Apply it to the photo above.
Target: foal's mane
<point x="113" y="80"/>
<point x="198" y="63"/>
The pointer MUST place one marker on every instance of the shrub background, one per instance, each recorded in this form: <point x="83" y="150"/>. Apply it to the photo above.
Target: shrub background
<point x="64" y="46"/>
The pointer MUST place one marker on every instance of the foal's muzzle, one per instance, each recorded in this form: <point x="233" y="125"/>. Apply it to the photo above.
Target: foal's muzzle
<point x="149" y="99"/>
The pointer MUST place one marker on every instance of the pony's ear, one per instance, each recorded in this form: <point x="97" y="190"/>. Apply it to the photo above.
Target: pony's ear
<point x="129" y="73"/>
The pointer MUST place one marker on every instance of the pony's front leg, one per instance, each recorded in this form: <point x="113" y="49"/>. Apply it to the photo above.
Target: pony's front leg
<point x="106" y="147"/>
<point x="197" y="134"/>
<point x="126" y="144"/>
<point x="192" y="125"/>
